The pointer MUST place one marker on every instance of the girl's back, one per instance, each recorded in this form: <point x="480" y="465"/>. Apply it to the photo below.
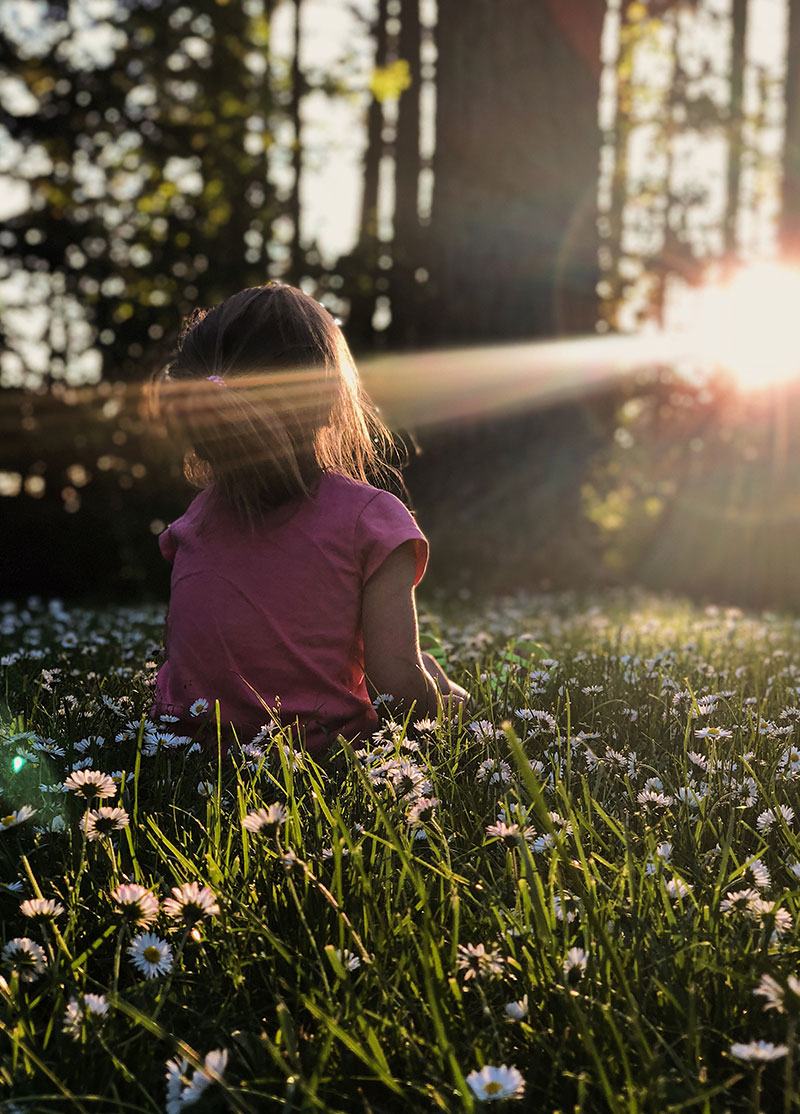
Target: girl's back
<point x="292" y="576"/>
<point x="271" y="618"/>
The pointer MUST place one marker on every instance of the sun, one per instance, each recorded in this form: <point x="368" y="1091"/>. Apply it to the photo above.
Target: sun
<point x="748" y="325"/>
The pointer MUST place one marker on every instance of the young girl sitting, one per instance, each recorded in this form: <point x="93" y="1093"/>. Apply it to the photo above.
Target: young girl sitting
<point x="292" y="587"/>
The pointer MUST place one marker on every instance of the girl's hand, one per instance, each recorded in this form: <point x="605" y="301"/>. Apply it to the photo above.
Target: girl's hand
<point x="452" y="694"/>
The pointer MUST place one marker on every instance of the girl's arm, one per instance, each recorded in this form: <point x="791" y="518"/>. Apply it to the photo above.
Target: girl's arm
<point x="393" y="662"/>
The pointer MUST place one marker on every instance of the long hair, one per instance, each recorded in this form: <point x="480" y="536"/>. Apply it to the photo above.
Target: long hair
<point x="263" y="395"/>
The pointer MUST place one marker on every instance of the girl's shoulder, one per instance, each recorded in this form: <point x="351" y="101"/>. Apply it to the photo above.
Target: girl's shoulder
<point x="353" y="495"/>
<point x="200" y="511"/>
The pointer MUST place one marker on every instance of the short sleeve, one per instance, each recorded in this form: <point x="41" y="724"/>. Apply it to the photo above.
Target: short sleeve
<point x="383" y="525"/>
<point x="166" y="543"/>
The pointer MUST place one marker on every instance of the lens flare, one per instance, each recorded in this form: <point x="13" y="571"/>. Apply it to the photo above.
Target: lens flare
<point x="746" y="325"/>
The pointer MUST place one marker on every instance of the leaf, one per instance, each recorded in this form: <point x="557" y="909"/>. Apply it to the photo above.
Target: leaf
<point x="388" y="82"/>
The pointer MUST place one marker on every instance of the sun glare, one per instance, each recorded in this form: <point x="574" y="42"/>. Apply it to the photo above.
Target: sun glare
<point x="747" y="325"/>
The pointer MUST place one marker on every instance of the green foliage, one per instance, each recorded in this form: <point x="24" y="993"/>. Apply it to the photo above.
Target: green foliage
<point x="590" y="895"/>
<point x="145" y="161"/>
<point x="389" y="82"/>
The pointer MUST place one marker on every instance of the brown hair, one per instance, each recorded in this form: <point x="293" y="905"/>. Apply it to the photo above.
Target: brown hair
<point x="264" y="394"/>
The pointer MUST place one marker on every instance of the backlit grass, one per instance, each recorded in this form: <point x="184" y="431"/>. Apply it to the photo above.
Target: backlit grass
<point x="584" y="880"/>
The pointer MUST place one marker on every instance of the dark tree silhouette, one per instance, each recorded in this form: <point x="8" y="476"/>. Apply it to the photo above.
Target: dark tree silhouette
<point x="511" y="247"/>
<point x="790" y="216"/>
<point x="149" y="193"/>
<point x="361" y="268"/>
<point x="735" y="130"/>
<point x="407" y="248"/>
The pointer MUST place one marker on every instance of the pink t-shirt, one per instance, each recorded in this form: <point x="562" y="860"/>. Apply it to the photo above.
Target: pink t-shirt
<point x="277" y="614"/>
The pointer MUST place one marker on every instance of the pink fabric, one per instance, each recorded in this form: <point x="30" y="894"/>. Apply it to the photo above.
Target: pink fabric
<point x="278" y="613"/>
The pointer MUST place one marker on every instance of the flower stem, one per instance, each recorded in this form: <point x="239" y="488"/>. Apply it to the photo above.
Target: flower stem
<point x="164" y="992"/>
<point x="118" y="958"/>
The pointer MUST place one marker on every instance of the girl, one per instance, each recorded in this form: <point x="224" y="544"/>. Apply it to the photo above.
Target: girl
<point x="292" y="588"/>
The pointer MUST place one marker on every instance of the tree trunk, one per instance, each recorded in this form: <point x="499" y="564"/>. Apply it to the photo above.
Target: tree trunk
<point x="295" y="250"/>
<point x="374" y="149"/>
<point x="361" y="266"/>
<point x="406" y="257"/>
<point x="790" y="216"/>
<point x="735" y="131"/>
<point x="512" y="238"/>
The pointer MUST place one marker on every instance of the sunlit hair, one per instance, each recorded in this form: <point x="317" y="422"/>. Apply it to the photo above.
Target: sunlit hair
<point x="264" y="395"/>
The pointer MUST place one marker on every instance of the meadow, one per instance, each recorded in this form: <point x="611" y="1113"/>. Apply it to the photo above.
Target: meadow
<point x="581" y="896"/>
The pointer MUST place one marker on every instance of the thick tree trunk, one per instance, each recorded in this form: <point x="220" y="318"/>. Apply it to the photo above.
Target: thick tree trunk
<point x="513" y="231"/>
<point x="406" y="256"/>
<point x="790" y="216"/>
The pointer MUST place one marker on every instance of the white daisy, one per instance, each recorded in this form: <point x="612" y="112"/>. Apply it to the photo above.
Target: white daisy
<point x="474" y="960"/>
<point x="408" y="779"/>
<point x="517" y="1011"/>
<point x="49" y="747"/>
<point x="24" y="957"/>
<point x="759" y="1052"/>
<point x="191" y="902"/>
<point x="654" y="798"/>
<point x="176" y="1080"/>
<point x="129" y="731"/>
<point x="776" y="994"/>
<point x="713" y="733"/>
<point x="159" y="737"/>
<point x="199" y="707"/>
<point x="566" y="908"/>
<point x="78" y="1009"/>
<point x="349" y="960"/>
<point x="676" y="888"/>
<point x="759" y="873"/>
<point x="661" y="855"/>
<point x="493" y="1083"/>
<point x="101" y="823"/>
<point x="494" y="771"/>
<point x="423" y="810"/>
<point x="181" y="1091"/>
<point x="692" y="795"/>
<point x="507" y="833"/>
<point x="41" y="908"/>
<point x="150" y="954"/>
<point x="17" y="816"/>
<point x="575" y="960"/>
<point x="91" y="783"/>
<point x="265" y="821"/>
<point x="739" y="899"/>
<point x="137" y="904"/>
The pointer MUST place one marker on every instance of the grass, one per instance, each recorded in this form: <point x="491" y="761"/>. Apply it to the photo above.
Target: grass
<point x="592" y="899"/>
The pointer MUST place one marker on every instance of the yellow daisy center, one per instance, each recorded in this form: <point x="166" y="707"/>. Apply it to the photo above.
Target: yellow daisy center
<point x="7" y="821"/>
<point x="493" y="1087"/>
<point x="151" y="954"/>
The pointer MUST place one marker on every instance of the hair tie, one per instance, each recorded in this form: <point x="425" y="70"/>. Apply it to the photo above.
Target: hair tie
<point x="217" y="379"/>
